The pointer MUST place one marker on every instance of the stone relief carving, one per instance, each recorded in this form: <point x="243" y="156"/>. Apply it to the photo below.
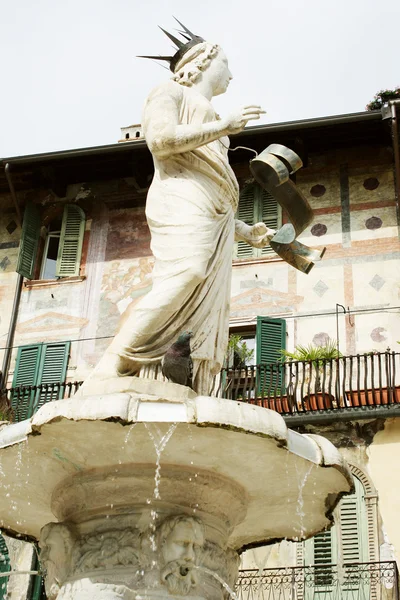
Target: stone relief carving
<point x="180" y="539"/>
<point x="109" y="549"/>
<point x="57" y="541"/>
<point x="172" y="555"/>
<point x="223" y="562"/>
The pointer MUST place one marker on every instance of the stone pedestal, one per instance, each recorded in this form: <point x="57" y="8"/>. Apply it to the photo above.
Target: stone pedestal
<point x="144" y="489"/>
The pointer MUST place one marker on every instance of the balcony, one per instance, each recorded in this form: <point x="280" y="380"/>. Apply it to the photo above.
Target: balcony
<point x="364" y="384"/>
<point x="22" y="402"/>
<point x="350" y="387"/>
<point x="358" y="581"/>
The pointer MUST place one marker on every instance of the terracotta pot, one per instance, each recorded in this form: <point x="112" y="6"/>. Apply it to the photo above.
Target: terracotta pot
<point x="373" y="397"/>
<point x="280" y="404"/>
<point x="318" y="401"/>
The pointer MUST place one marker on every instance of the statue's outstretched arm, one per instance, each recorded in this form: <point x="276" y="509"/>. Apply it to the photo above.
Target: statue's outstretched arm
<point x="166" y="136"/>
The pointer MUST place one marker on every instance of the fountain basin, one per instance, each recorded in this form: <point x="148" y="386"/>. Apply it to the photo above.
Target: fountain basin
<point x="279" y="484"/>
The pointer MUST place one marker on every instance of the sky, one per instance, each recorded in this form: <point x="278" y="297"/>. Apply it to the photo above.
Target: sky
<point x="71" y="79"/>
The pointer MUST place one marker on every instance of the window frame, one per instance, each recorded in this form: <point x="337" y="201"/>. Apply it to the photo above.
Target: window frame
<point x="31" y="261"/>
<point x="259" y="196"/>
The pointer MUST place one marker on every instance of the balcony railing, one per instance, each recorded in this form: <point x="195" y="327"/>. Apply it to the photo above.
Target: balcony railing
<point x="359" y="581"/>
<point x="22" y="402"/>
<point x="301" y="386"/>
<point x="297" y="387"/>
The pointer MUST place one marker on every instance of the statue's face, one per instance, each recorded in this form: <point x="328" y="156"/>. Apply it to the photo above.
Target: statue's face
<point x="182" y="543"/>
<point x="219" y="74"/>
<point x="179" y="555"/>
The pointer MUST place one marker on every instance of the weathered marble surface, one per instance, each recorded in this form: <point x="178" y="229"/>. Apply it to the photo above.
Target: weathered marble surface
<point x="232" y="476"/>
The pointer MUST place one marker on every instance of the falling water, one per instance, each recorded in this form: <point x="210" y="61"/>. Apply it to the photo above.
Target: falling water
<point x="226" y="587"/>
<point x="300" y="499"/>
<point x="129" y="432"/>
<point x="159" y="440"/>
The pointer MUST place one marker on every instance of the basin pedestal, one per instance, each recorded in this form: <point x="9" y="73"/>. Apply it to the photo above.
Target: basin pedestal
<point x="145" y="490"/>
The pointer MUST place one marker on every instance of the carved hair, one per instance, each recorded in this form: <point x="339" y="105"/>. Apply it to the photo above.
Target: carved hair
<point x="193" y="63"/>
<point x="170" y="523"/>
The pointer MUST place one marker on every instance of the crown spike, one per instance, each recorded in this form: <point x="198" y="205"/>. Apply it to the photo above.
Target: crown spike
<point x="192" y="35"/>
<point x="175" y="40"/>
<point x="166" y="58"/>
<point x="185" y="36"/>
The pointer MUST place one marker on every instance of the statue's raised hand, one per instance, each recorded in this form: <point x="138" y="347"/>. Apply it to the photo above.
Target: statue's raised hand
<point x="236" y="121"/>
<point x="258" y="235"/>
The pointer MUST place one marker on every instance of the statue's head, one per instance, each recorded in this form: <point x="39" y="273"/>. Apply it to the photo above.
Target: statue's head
<point x="195" y="59"/>
<point x="204" y="60"/>
<point x="180" y="539"/>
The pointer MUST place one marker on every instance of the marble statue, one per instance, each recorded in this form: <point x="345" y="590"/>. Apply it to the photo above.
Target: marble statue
<point x="191" y="206"/>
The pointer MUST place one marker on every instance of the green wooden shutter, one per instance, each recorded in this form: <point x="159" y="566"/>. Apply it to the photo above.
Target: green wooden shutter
<point x="321" y="551"/>
<point x="270" y="338"/>
<point x="71" y="240"/>
<point x="4" y="567"/>
<point x="52" y="369"/>
<point x="25" y="374"/>
<point x="247" y="213"/>
<point x="270" y="215"/>
<point x="353" y="526"/>
<point x="29" y="242"/>
<point x="35" y="365"/>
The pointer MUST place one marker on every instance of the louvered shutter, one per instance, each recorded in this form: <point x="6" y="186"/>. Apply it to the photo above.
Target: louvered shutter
<point x="29" y="242"/>
<point x="52" y="370"/>
<point x="25" y="374"/>
<point x="4" y="567"/>
<point x="270" y="215"/>
<point x="353" y="527"/>
<point x="35" y="365"/>
<point x="71" y="240"/>
<point x="246" y="212"/>
<point x="270" y="338"/>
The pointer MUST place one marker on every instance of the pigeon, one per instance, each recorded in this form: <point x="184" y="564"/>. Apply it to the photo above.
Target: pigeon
<point x="176" y="364"/>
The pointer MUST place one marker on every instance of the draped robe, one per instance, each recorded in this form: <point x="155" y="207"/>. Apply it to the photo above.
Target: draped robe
<point x="190" y="211"/>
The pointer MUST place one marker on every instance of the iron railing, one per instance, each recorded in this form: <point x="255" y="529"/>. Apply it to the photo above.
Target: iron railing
<point x="295" y="387"/>
<point x="358" y="581"/>
<point x="18" y="403"/>
<point x="298" y="386"/>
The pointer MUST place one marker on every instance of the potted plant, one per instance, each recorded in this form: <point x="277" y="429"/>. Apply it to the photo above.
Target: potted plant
<point x="375" y="392"/>
<point x="239" y="354"/>
<point x="382" y="97"/>
<point x="313" y="359"/>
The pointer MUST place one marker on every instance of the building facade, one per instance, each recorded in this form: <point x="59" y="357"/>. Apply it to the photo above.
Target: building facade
<point x="75" y="252"/>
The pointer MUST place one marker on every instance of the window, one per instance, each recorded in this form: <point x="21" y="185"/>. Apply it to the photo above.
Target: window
<point x="63" y="244"/>
<point x="38" y="364"/>
<point x="4" y="567"/>
<point x="268" y="339"/>
<point x="255" y="205"/>
<point x="346" y="543"/>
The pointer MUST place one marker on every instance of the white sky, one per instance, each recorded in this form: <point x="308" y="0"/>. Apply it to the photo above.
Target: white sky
<point x="70" y="78"/>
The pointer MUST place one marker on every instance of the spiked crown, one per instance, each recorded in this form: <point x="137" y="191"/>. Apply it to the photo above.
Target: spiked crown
<point x="191" y="40"/>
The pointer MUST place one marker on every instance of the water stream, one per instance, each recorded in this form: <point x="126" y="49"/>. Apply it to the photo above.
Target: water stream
<point x="226" y="587"/>
<point x="300" y="498"/>
<point x="160" y="440"/>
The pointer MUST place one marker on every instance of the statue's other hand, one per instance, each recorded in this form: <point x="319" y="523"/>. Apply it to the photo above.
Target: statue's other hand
<point x="236" y="121"/>
<point x="260" y="235"/>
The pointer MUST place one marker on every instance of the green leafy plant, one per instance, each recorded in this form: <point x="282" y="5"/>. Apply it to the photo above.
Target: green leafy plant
<point x="316" y="357"/>
<point x="239" y="354"/>
<point x="6" y="412"/>
<point x="382" y="97"/>
<point x="312" y="353"/>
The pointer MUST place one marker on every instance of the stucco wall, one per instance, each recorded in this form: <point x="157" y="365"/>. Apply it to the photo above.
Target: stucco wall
<point x="383" y="464"/>
<point x="352" y="195"/>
